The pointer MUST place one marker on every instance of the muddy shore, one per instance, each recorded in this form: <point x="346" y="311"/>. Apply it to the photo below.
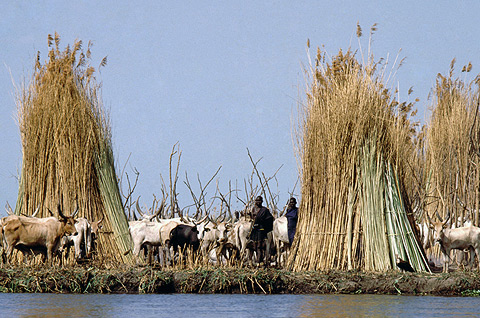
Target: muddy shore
<point x="138" y="280"/>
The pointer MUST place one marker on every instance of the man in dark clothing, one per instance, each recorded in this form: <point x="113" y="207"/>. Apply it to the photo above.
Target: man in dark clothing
<point x="292" y="218"/>
<point x="262" y="224"/>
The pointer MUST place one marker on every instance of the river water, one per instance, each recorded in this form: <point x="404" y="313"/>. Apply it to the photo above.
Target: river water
<point x="193" y="306"/>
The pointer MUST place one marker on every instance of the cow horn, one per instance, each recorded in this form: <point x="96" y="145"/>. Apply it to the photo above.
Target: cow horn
<point x="36" y="211"/>
<point x="138" y="208"/>
<point x="222" y="218"/>
<point x="59" y="209"/>
<point x="428" y="218"/>
<point x="75" y="213"/>
<point x="447" y="217"/>
<point x="438" y="216"/>
<point x="9" y="209"/>
<point x="202" y="220"/>
<point x="50" y="212"/>
<point x="159" y="210"/>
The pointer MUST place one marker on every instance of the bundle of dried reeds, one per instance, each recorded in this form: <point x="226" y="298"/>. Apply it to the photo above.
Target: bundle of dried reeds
<point x="66" y="144"/>
<point x="353" y="139"/>
<point x="452" y="177"/>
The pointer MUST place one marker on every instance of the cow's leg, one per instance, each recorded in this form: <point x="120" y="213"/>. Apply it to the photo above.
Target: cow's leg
<point x="88" y="243"/>
<point x="446" y="259"/>
<point x="77" y="244"/>
<point x="136" y="248"/>
<point x="67" y="254"/>
<point x="9" y="251"/>
<point x="49" y="255"/>
<point x="477" y="251"/>
<point x="149" y="254"/>
<point x="471" y="250"/>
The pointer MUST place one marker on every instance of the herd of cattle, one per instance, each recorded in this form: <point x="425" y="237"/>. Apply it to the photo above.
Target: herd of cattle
<point x="465" y="239"/>
<point x="154" y="239"/>
<point x="216" y="241"/>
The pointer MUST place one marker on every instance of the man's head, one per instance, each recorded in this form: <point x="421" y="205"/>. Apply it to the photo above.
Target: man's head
<point x="258" y="201"/>
<point x="292" y="203"/>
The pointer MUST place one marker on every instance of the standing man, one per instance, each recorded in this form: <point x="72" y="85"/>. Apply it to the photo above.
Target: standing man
<point x="292" y="218"/>
<point x="262" y="224"/>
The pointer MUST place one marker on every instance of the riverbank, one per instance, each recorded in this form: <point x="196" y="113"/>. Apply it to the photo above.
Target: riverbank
<point x="139" y="280"/>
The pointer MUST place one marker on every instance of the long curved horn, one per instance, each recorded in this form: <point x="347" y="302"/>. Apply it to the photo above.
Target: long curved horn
<point x="8" y="208"/>
<point x="75" y="213"/>
<point x="447" y="218"/>
<point x="202" y="220"/>
<point x="183" y="219"/>
<point x="428" y="218"/>
<point x="159" y="210"/>
<point x="140" y="210"/>
<point x="223" y="218"/>
<point x="59" y="209"/>
<point x="36" y="211"/>
<point x="438" y="216"/>
<point x="50" y="212"/>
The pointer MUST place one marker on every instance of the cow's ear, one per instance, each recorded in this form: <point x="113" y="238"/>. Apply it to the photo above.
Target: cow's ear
<point x="206" y="229"/>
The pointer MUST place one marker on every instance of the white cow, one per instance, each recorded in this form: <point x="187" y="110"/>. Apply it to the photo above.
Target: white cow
<point x="280" y="237"/>
<point x="83" y="241"/>
<point x="211" y="232"/>
<point x="461" y="238"/>
<point x="148" y="233"/>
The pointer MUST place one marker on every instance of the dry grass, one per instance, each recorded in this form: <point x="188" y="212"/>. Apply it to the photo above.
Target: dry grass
<point x="66" y="145"/>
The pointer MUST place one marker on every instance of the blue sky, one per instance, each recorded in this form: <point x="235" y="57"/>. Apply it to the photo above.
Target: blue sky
<point x="219" y="77"/>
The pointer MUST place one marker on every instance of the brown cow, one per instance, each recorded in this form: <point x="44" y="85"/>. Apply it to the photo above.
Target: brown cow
<point x="37" y="234"/>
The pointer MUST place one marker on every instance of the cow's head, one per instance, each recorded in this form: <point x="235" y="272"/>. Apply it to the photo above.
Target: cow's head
<point x="203" y="227"/>
<point x="68" y="221"/>
<point x="438" y="227"/>
<point x="223" y="229"/>
<point x="95" y="227"/>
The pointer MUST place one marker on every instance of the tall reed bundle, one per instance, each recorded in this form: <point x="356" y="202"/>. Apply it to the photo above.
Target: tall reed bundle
<point x="353" y="139"/>
<point x="452" y="163"/>
<point x="66" y="143"/>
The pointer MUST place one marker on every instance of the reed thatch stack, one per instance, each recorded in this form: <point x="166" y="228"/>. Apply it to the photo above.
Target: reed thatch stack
<point x="67" y="152"/>
<point x="452" y="142"/>
<point x="353" y="141"/>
